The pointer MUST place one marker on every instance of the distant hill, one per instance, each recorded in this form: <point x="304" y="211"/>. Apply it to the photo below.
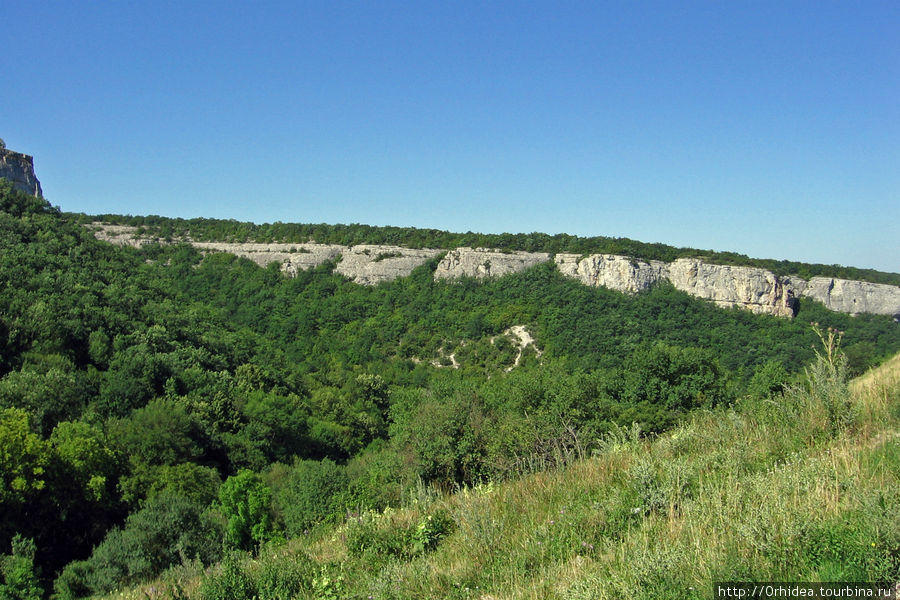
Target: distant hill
<point x="748" y="287"/>
<point x="219" y="230"/>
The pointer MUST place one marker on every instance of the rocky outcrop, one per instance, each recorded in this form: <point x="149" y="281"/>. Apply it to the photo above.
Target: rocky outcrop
<point x="293" y="258"/>
<point x="757" y="290"/>
<point x="619" y="273"/>
<point x="19" y="168"/>
<point x="754" y="289"/>
<point x="121" y="235"/>
<point x="854" y="297"/>
<point x="370" y="265"/>
<point x="485" y="262"/>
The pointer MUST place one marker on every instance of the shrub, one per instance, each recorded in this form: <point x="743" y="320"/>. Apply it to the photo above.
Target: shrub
<point x="18" y="580"/>
<point x="827" y="379"/>
<point x="378" y="537"/>
<point x="314" y="492"/>
<point x="431" y="530"/>
<point x="231" y="583"/>
<point x="768" y="380"/>
<point x="446" y="438"/>
<point x="377" y="478"/>
<point x="246" y="503"/>
<point x="169" y="530"/>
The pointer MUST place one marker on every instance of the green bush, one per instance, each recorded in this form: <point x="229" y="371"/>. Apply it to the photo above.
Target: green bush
<point x="229" y="583"/>
<point x="18" y="576"/>
<point x="768" y="380"/>
<point x="827" y="379"/>
<point x="169" y="530"/>
<point x="446" y="437"/>
<point x="284" y="576"/>
<point x="431" y="530"/>
<point x="313" y="492"/>
<point x="246" y="504"/>
<point x="378" y="478"/>
<point x="377" y="537"/>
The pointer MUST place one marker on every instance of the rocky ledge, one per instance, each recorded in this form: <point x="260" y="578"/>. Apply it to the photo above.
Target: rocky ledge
<point x="369" y="264"/>
<point x="751" y="288"/>
<point x="854" y="297"/>
<point x="19" y="168"/>
<point x="485" y="262"/>
<point x="755" y="289"/>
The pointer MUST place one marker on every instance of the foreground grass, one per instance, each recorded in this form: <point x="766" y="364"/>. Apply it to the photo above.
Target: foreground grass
<point x="804" y="487"/>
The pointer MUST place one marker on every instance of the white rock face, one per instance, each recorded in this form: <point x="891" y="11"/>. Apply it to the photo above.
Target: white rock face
<point x="752" y="288"/>
<point x="615" y="272"/>
<point x="854" y="297"/>
<point x="370" y="264"/>
<point x="486" y="262"/>
<point x="292" y="257"/>
<point x="757" y="290"/>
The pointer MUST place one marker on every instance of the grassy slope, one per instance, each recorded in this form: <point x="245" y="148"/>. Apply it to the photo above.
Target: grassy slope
<point x="764" y="491"/>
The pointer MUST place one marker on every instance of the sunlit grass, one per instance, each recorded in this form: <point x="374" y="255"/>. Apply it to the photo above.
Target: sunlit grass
<point x="765" y="490"/>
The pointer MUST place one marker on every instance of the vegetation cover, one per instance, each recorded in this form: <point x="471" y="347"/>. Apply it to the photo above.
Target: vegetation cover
<point x="802" y="486"/>
<point x="166" y="410"/>
<point x="222" y="230"/>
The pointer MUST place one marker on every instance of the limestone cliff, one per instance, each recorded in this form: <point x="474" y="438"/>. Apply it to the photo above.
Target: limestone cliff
<point x="291" y="257"/>
<point x="619" y="273"/>
<point x="757" y="290"/>
<point x="486" y="262"/>
<point x="19" y="168"/>
<point x="369" y="264"/>
<point x="854" y="297"/>
<point x="750" y="288"/>
<point x="754" y="289"/>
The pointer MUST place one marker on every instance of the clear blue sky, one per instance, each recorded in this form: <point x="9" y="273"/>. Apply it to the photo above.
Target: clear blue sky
<point x="766" y="128"/>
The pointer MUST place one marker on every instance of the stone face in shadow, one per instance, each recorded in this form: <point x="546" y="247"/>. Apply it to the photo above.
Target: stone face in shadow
<point x="19" y="168"/>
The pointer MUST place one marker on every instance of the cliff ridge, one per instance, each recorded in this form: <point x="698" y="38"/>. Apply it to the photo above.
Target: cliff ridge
<point x="19" y="168"/>
<point x="751" y="288"/>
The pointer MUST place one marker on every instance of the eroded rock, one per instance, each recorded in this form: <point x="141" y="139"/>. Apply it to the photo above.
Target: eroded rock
<point x="19" y="168"/>
<point x="751" y="288"/>
<point x="849" y="296"/>
<point x="615" y="272"/>
<point x="372" y="264"/>
<point x="755" y="289"/>
<point x="486" y="262"/>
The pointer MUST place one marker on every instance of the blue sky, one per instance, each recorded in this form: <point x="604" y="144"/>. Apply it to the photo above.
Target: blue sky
<point x="766" y="128"/>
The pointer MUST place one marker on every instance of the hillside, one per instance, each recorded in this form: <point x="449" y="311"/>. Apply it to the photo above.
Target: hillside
<point x="163" y="405"/>
<point x="803" y="486"/>
<point x="230" y="231"/>
<point x="751" y="288"/>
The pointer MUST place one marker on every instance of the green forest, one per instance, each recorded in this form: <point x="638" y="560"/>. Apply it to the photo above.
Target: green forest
<point x="160" y="406"/>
